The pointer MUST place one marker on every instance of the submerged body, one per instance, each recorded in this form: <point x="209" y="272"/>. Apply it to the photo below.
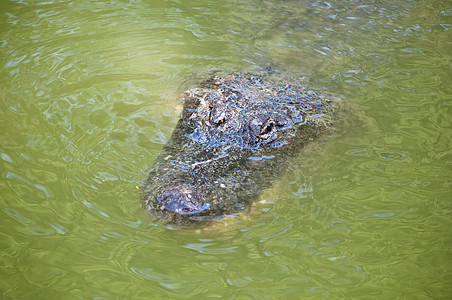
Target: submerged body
<point x="235" y="137"/>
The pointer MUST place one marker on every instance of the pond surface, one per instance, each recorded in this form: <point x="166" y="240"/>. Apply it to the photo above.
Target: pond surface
<point x="90" y="92"/>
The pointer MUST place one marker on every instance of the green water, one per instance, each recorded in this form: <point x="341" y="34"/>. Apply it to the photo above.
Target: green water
<point x="89" y="93"/>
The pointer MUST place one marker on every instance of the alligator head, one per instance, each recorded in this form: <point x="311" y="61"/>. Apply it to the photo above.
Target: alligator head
<point x="235" y="137"/>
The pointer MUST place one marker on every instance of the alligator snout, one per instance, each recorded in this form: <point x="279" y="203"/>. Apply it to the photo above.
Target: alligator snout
<point x="180" y="200"/>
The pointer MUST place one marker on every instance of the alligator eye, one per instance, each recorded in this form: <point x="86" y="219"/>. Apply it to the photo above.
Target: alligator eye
<point x="219" y="116"/>
<point x="267" y="129"/>
<point x="220" y="120"/>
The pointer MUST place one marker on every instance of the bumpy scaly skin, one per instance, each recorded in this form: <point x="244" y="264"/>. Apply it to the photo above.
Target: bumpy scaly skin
<point x="235" y="137"/>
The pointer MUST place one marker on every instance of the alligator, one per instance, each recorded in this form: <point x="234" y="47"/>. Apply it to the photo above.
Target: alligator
<point x="236" y="135"/>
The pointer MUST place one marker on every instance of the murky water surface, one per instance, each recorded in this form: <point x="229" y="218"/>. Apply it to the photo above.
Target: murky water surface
<point x="89" y="94"/>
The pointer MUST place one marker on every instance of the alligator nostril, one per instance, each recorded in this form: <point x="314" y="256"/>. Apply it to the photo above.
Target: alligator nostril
<point x="181" y="200"/>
